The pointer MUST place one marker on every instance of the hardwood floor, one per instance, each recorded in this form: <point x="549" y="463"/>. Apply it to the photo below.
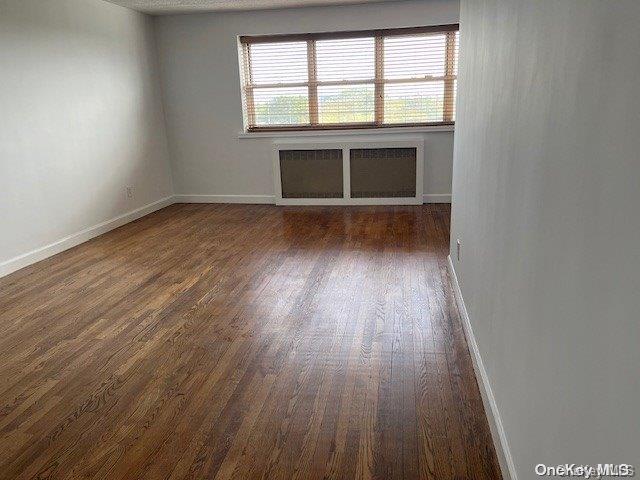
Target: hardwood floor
<point x="235" y="341"/>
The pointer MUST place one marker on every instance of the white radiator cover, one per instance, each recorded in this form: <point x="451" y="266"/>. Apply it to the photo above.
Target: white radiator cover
<point x="347" y="144"/>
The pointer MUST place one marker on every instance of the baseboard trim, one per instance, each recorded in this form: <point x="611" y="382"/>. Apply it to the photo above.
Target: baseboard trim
<point x="436" y="198"/>
<point x="248" y="199"/>
<point x="493" y="415"/>
<point x="270" y="199"/>
<point x="82" y="236"/>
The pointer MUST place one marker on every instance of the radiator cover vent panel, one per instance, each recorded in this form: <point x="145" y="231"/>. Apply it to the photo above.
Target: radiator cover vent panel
<point x="311" y="173"/>
<point x="383" y="172"/>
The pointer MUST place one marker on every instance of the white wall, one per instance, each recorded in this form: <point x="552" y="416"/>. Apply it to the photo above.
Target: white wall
<point x="80" y="118"/>
<point x="546" y="201"/>
<point x="199" y="63"/>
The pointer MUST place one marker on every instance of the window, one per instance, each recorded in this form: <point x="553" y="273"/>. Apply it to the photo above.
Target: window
<point x="376" y="78"/>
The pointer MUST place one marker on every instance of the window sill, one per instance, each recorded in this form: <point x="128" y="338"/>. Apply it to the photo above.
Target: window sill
<point x="340" y="132"/>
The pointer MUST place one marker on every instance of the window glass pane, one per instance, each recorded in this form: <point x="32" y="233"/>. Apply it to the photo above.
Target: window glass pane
<point x="281" y="106"/>
<point x="414" y="102"/>
<point x="345" y="59"/>
<point x="456" y="54"/>
<point x="346" y="103"/>
<point x="414" y="56"/>
<point x="279" y="62"/>
<point x="455" y="98"/>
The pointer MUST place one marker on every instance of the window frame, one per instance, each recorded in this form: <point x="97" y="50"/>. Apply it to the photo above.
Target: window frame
<point x="379" y="82"/>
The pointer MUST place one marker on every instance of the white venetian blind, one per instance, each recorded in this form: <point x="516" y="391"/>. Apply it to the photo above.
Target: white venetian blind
<point x="350" y="79"/>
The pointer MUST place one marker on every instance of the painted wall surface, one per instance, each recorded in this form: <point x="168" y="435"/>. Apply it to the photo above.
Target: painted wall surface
<point x="199" y="63"/>
<point x="546" y="198"/>
<point x="81" y="119"/>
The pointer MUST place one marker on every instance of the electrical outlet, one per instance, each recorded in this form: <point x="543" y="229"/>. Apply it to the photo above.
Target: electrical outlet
<point x="129" y="192"/>
<point x="458" y="249"/>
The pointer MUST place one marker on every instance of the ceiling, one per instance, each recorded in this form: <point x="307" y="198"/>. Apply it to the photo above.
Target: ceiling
<point x="186" y="6"/>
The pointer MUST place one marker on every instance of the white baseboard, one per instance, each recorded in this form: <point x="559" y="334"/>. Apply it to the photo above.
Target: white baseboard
<point x="436" y="198"/>
<point x="82" y="236"/>
<point x="249" y="199"/>
<point x="493" y="416"/>
<point x="270" y="199"/>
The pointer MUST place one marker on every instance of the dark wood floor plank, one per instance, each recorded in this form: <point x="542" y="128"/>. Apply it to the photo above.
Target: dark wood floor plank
<point x="243" y="342"/>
